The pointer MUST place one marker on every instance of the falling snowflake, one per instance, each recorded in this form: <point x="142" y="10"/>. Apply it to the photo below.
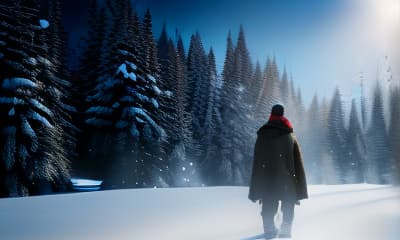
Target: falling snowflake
<point x="241" y="88"/>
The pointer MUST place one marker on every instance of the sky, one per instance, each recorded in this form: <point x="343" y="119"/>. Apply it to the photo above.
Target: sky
<point x="323" y="44"/>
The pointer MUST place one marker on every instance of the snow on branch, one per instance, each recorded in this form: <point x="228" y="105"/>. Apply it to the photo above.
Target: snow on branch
<point x="28" y="130"/>
<point x="100" y="110"/>
<point x="122" y="69"/>
<point x="14" y="83"/>
<point x="11" y="101"/>
<point x="156" y="89"/>
<point x="151" y="78"/>
<point x="36" y="116"/>
<point x="139" y="112"/>
<point x="40" y="106"/>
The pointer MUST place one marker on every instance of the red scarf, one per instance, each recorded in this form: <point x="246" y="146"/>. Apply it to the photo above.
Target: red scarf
<point x="281" y="119"/>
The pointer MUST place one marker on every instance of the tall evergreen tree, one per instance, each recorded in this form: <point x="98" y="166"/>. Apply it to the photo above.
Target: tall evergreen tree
<point x="355" y="148"/>
<point x="235" y="160"/>
<point x="31" y="143"/>
<point x="363" y="105"/>
<point x="275" y="83"/>
<point x="284" y="88"/>
<point x="181" y="49"/>
<point x="149" y="45"/>
<point x="198" y="85"/>
<point x="378" y="155"/>
<point x="183" y="157"/>
<point x="262" y="105"/>
<point x="123" y="109"/>
<point x="168" y="102"/>
<point x="257" y="84"/>
<point x="311" y="144"/>
<point x="336" y="136"/>
<point x="213" y="125"/>
<point x="394" y="131"/>
<point x="327" y="164"/>
<point x="243" y="66"/>
<point x="64" y="107"/>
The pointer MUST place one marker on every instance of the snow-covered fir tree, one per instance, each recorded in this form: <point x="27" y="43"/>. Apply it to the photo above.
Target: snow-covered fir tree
<point x="183" y="159"/>
<point x="236" y="161"/>
<point x="33" y="154"/>
<point x="213" y="125"/>
<point x="123" y="108"/>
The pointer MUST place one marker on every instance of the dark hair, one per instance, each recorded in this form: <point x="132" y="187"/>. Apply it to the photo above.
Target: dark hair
<point x="277" y="110"/>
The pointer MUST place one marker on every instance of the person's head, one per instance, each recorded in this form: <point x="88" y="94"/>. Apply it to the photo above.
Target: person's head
<point x="277" y="110"/>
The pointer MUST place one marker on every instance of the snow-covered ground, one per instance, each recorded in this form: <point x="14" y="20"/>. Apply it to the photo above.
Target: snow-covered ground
<point x="342" y="212"/>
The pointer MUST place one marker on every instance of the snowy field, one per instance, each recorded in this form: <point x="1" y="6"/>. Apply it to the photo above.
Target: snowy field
<point x="341" y="212"/>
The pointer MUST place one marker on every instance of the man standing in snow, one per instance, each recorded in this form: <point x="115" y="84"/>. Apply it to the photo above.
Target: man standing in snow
<point x="278" y="173"/>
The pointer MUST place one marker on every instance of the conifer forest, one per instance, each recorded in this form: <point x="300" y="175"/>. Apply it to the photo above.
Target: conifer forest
<point x="144" y="109"/>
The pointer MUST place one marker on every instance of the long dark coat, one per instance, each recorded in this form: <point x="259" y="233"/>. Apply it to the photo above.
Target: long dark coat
<point x="278" y="171"/>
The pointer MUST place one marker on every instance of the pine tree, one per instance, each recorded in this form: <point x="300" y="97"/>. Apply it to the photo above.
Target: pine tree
<point x="32" y="149"/>
<point x="336" y="136"/>
<point x="149" y="45"/>
<point x="235" y="161"/>
<point x="263" y="100"/>
<point x="183" y="157"/>
<point x="243" y="66"/>
<point x="91" y="65"/>
<point x="123" y="109"/>
<point x="355" y="148"/>
<point x="168" y="102"/>
<point x="213" y="125"/>
<point x="181" y="50"/>
<point x="327" y="164"/>
<point x="257" y="84"/>
<point x="394" y="132"/>
<point x="198" y="85"/>
<point x="284" y="88"/>
<point x="378" y="155"/>
<point x="311" y="145"/>
<point x="363" y="105"/>
<point x="58" y="76"/>
<point x="274" y="80"/>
